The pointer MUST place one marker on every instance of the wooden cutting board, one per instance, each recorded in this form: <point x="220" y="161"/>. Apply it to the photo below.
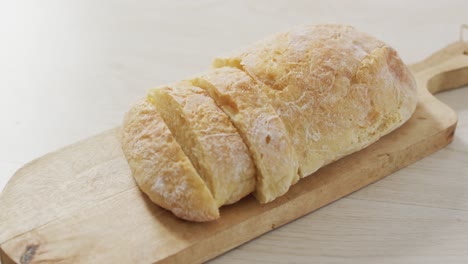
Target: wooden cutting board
<point x="81" y="205"/>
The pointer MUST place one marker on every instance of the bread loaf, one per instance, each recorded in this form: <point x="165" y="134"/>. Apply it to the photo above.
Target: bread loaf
<point x="264" y="117"/>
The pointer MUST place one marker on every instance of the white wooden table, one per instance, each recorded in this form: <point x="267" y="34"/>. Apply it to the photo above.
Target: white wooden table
<point x="70" y="69"/>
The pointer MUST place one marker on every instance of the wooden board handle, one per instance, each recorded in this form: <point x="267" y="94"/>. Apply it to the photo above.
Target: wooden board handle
<point x="444" y="70"/>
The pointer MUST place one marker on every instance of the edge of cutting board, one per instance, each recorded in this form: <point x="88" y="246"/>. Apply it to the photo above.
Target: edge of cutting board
<point x="80" y="203"/>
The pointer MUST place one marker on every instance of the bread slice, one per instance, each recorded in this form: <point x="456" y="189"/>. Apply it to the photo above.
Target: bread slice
<point x="208" y="138"/>
<point x="336" y="89"/>
<point x="240" y="97"/>
<point x="160" y="167"/>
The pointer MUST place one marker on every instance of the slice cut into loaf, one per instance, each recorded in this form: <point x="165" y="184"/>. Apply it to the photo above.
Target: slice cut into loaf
<point x="160" y="167"/>
<point x="259" y="125"/>
<point x="208" y="138"/>
<point x="336" y="89"/>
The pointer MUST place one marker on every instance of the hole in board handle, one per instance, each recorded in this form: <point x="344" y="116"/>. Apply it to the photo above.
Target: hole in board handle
<point x="463" y="27"/>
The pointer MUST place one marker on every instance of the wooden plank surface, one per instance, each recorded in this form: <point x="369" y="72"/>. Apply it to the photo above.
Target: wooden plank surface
<point x="84" y="205"/>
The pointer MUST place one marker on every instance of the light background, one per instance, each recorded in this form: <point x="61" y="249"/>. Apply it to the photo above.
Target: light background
<point x="70" y="69"/>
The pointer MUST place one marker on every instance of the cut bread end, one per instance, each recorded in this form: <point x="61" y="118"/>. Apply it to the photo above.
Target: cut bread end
<point x="161" y="168"/>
